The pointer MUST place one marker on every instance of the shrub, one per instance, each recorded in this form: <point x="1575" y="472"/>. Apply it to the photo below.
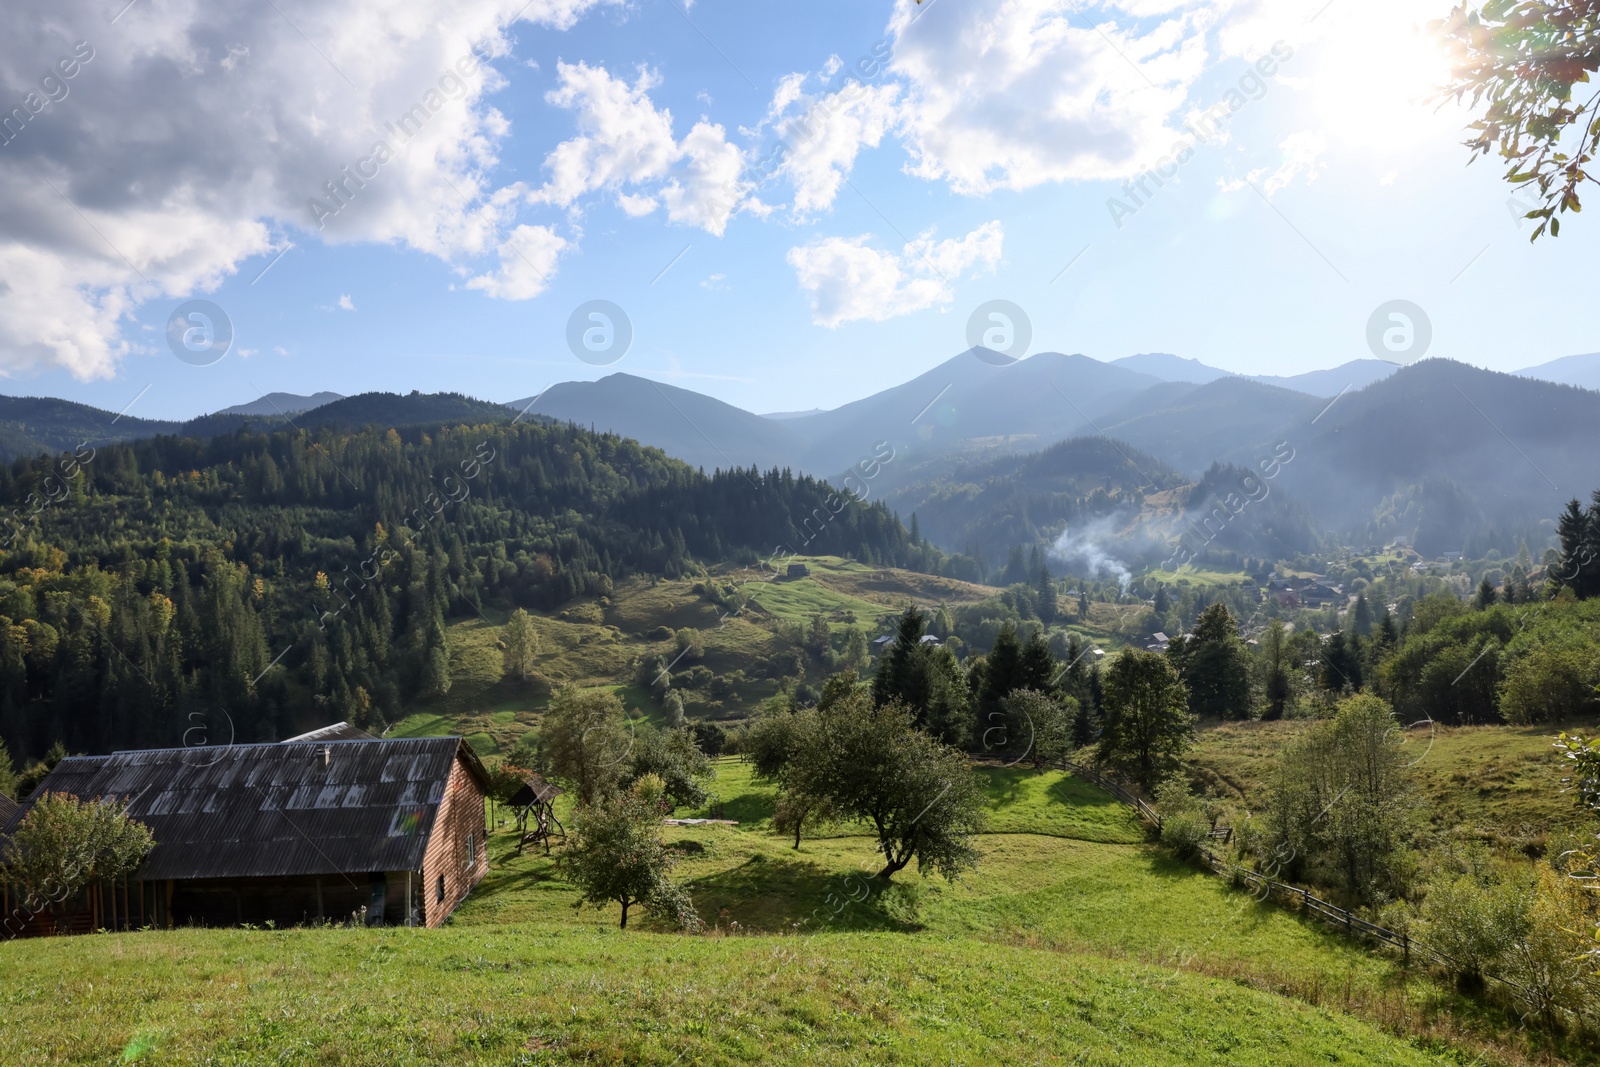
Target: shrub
<point x="1551" y="960"/>
<point x="64" y="843"/>
<point x="1185" y="833"/>
<point x="1473" y="925"/>
<point x="1548" y="683"/>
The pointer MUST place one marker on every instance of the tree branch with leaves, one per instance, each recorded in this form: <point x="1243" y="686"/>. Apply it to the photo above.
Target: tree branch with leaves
<point x="1520" y="61"/>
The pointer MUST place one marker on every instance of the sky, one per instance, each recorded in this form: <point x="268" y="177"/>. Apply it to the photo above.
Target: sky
<point x="782" y="205"/>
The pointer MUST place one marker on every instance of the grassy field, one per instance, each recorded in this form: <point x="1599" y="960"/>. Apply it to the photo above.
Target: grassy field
<point x="1074" y="942"/>
<point x="1499" y="783"/>
<point x="566" y="995"/>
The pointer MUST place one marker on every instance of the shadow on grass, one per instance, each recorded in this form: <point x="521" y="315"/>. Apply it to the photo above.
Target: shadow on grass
<point x="1080" y="794"/>
<point x="745" y="809"/>
<point x="793" y="896"/>
<point x="1003" y="785"/>
<point x="501" y="882"/>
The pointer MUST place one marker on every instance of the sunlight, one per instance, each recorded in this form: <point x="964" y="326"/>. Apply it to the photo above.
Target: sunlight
<point x="1372" y="87"/>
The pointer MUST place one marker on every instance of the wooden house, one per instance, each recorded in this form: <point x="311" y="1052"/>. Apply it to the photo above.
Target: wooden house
<point x="294" y="832"/>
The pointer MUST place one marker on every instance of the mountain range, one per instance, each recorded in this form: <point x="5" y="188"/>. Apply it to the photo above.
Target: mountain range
<point x="1438" y="448"/>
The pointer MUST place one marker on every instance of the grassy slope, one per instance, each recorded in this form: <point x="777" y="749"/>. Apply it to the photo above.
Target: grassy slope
<point x="596" y="643"/>
<point x="569" y="995"/>
<point x="1051" y="953"/>
<point x="1500" y="782"/>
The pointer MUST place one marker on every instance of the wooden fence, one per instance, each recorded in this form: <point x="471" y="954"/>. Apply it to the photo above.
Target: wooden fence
<point x="1339" y="918"/>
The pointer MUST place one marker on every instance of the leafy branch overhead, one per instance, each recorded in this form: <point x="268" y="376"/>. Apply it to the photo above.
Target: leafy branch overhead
<point x="1521" y="62"/>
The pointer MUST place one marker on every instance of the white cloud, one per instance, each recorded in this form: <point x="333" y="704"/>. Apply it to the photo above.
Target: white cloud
<point x="345" y="303"/>
<point x="223" y="125"/>
<point x="1009" y="94"/>
<point x="625" y="142"/>
<point x="527" y="263"/>
<point x="849" y="280"/>
<point x="637" y="207"/>
<point x="1301" y="152"/>
<point x="825" y="136"/>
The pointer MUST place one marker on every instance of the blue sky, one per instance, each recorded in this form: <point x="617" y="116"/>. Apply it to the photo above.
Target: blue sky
<point x="1330" y="191"/>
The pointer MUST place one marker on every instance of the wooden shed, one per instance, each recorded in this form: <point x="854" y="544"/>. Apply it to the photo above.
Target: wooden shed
<point x="294" y="832"/>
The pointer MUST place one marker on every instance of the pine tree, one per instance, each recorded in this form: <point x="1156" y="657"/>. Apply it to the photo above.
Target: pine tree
<point x="1002" y="673"/>
<point x="1341" y="665"/>
<point x="1388" y="634"/>
<point x="1277" y="685"/>
<point x="1486" y="595"/>
<point x="1361" y="618"/>
<point x="1038" y="665"/>
<point x="1037" y="571"/>
<point x="1580" y="547"/>
<point x="1215" y="667"/>
<point x="1047" y="598"/>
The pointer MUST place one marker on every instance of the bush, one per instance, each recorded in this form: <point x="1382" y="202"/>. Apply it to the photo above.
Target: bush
<point x="1549" y="960"/>
<point x="1185" y="833"/>
<point x="710" y="737"/>
<point x="1548" y="684"/>
<point x="691" y="645"/>
<point x="1475" y="926"/>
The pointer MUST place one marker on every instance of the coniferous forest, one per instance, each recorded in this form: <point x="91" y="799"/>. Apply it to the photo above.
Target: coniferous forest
<point x="176" y="590"/>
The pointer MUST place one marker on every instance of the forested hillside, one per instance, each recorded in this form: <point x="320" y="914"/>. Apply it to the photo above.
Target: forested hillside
<point x="173" y="590"/>
<point x="986" y="506"/>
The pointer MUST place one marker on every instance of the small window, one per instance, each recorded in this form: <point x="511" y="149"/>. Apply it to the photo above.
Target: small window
<point x="472" y="850"/>
<point x="441" y="889"/>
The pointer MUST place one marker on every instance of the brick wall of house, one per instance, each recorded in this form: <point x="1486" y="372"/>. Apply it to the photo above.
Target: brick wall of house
<point x="459" y="820"/>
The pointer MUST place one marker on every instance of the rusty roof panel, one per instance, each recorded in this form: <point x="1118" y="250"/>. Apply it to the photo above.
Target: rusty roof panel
<point x="292" y="808"/>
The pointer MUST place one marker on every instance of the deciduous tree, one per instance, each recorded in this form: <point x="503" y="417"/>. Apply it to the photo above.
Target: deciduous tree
<point x="522" y="644"/>
<point x="919" y="796"/>
<point x="584" y="741"/>
<point x="616" y="855"/>
<point x="64" y="843"/>
<point x="1343" y="802"/>
<point x="1145" y="723"/>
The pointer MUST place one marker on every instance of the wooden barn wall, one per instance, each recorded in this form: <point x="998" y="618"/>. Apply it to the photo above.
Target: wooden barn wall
<point x="460" y="817"/>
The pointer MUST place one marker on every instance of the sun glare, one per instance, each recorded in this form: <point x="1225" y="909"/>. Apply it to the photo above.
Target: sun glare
<point x="1374" y="81"/>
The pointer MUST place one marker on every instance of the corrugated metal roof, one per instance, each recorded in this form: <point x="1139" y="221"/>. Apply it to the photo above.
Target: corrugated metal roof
<point x="8" y="808"/>
<point x="292" y="808"/>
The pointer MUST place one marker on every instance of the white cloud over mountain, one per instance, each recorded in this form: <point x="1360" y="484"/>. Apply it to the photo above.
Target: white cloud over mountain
<point x="848" y="280"/>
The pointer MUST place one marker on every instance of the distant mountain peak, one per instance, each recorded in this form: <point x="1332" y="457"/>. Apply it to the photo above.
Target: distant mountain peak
<point x="282" y="404"/>
<point x="1582" y="371"/>
<point x="1170" y="368"/>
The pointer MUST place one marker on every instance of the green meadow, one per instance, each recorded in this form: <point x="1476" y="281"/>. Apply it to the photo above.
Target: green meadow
<point x="1075" y="941"/>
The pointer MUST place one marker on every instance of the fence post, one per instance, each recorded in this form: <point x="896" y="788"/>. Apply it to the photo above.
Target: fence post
<point x="1405" y="947"/>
